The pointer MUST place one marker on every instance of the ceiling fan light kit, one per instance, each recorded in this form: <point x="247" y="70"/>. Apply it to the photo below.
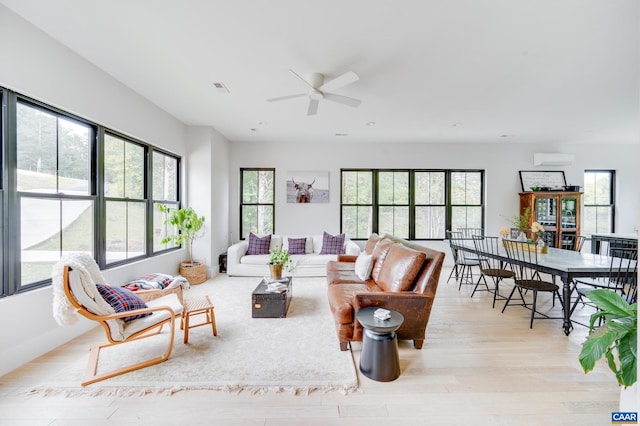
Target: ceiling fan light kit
<point x="323" y="91"/>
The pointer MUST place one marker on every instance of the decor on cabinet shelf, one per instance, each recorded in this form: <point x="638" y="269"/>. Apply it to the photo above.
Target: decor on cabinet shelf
<point x="557" y="211"/>
<point x="616" y="338"/>
<point x="536" y="229"/>
<point x="188" y="225"/>
<point x="279" y="259"/>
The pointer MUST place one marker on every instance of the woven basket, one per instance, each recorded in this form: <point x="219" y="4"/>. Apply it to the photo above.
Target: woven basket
<point x="195" y="273"/>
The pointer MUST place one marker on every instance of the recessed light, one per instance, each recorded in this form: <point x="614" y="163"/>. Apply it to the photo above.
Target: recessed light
<point x="342" y="134"/>
<point x="371" y="123"/>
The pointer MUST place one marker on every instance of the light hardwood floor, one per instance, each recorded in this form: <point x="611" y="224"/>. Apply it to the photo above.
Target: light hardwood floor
<point x="477" y="367"/>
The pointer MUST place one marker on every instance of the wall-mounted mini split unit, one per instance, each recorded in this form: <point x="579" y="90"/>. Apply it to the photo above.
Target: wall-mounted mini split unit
<point x="552" y="159"/>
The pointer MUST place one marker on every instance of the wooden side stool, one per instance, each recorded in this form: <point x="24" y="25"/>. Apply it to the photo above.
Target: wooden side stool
<point x="197" y="307"/>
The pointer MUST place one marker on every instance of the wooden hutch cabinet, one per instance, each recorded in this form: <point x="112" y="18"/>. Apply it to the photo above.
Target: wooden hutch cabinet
<point x="557" y="211"/>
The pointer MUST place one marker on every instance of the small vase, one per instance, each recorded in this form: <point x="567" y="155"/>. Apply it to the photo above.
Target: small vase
<point x="276" y="271"/>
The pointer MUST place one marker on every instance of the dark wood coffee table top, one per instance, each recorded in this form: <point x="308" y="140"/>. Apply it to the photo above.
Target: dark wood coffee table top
<point x="262" y="287"/>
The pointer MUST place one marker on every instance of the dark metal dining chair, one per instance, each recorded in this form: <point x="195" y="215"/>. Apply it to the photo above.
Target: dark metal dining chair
<point x="572" y="242"/>
<point x="490" y="265"/>
<point x="622" y="277"/>
<point x="463" y="260"/>
<point x="523" y="258"/>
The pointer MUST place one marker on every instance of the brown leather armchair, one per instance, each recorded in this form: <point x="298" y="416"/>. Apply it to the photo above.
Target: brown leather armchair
<point x="404" y="278"/>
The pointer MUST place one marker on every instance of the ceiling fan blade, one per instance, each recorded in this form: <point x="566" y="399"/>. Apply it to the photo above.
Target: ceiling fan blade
<point x="282" y="98"/>
<point x="313" y="107"/>
<point x="298" y="75"/>
<point x="344" y="100"/>
<point x="340" y="81"/>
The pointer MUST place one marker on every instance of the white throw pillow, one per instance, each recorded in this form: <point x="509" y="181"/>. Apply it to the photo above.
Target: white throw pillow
<point x="364" y="265"/>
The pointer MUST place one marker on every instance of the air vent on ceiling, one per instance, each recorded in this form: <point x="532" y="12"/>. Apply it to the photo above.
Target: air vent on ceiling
<point x="220" y="87"/>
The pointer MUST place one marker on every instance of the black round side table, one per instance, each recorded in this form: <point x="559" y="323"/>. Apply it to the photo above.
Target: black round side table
<point x="379" y="358"/>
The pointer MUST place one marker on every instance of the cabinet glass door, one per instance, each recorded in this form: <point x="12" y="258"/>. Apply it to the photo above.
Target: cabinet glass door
<point x="569" y="210"/>
<point x="546" y="212"/>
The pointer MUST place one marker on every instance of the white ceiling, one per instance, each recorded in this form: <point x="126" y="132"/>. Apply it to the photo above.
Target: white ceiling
<point x="551" y="71"/>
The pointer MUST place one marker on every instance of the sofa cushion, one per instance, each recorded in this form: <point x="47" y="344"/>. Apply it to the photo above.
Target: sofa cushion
<point x="332" y="244"/>
<point x="296" y="245"/>
<point x="379" y="253"/>
<point x="259" y="245"/>
<point x="400" y="267"/>
<point x="372" y="242"/>
<point x="122" y="300"/>
<point x="364" y="264"/>
<point x="308" y="249"/>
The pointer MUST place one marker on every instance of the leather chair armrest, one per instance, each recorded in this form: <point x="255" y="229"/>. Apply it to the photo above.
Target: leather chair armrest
<point x="347" y="258"/>
<point x="400" y="301"/>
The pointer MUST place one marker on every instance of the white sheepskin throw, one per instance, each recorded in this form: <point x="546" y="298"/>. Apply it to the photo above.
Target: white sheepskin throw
<point x="63" y="311"/>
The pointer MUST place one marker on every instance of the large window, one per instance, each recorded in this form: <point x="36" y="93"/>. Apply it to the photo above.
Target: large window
<point x="54" y="189"/>
<point x="599" y="205"/>
<point x="257" y="206"/>
<point x="124" y="172"/>
<point x="413" y="204"/>
<point x="71" y="185"/>
<point x="165" y="191"/>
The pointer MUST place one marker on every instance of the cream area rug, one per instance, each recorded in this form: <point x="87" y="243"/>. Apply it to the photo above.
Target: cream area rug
<point x="296" y="354"/>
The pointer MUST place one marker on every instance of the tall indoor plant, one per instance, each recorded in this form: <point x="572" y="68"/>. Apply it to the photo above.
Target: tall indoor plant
<point x="616" y="339"/>
<point x="188" y="225"/>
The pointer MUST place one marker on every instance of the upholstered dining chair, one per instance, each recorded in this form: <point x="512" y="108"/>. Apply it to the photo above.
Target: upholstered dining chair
<point x="463" y="260"/>
<point x="490" y="265"/>
<point x="522" y="255"/>
<point x="80" y="288"/>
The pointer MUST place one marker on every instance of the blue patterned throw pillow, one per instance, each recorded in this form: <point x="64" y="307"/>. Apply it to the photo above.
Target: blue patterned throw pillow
<point x="258" y="245"/>
<point x="122" y="300"/>
<point x="332" y="244"/>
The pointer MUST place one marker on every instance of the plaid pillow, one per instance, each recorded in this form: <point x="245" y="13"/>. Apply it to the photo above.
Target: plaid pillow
<point x="259" y="245"/>
<point x="297" y="245"/>
<point x="122" y="300"/>
<point x="332" y="244"/>
<point x="153" y="281"/>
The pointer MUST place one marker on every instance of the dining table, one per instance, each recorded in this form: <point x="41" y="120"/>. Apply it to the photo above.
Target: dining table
<point x="566" y="264"/>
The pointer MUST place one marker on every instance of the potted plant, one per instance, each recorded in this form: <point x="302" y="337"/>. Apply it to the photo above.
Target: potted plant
<point x="279" y="259"/>
<point x="188" y="225"/>
<point x="616" y="339"/>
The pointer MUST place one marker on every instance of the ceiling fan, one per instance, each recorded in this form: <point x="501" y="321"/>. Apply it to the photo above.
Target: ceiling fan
<point x="321" y="90"/>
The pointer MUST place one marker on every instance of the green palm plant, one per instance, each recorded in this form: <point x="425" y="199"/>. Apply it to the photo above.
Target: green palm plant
<point x="618" y="335"/>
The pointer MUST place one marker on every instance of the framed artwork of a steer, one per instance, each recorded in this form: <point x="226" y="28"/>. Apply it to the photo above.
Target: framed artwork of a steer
<point x="307" y="187"/>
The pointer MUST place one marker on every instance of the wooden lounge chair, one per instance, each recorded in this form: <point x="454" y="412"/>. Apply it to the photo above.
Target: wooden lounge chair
<point x="82" y="294"/>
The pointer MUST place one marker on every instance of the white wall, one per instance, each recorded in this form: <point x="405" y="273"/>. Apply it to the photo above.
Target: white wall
<point x="37" y="66"/>
<point x="500" y="161"/>
<point x="208" y="176"/>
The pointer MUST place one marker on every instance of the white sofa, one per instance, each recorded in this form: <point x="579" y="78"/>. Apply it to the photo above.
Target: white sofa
<point x="311" y="264"/>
